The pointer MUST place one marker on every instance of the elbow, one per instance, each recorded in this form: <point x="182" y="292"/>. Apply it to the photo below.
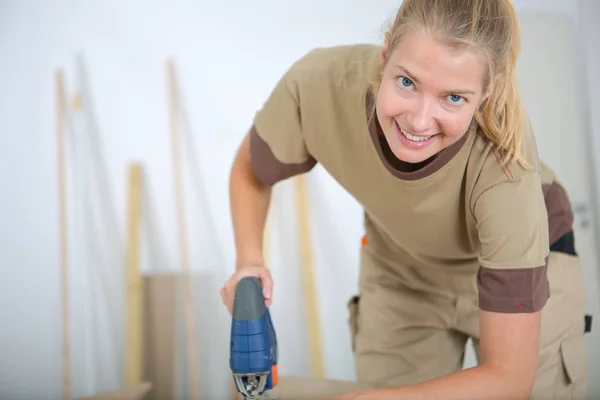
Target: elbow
<point x="517" y="383"/>
<point x="241" y="161"/>
<point x="242" y="169"/>
<point x="523" y="387"/>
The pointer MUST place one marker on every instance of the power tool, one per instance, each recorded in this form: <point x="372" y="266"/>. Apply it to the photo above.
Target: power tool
<point x="253" y="346"/>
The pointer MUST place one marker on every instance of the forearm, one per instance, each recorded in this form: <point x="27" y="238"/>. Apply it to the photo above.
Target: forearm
<point x="249" y="201"/>
<point x="481" y="382"/>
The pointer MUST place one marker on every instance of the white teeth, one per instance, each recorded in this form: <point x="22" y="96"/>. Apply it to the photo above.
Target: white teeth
<point x="414" y="138"/>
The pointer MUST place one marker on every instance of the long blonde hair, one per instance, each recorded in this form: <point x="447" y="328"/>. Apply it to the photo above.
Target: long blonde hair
<point x="490" y="27"/>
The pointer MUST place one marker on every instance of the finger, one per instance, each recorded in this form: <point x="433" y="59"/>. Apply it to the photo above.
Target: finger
<point x="267" y="284"/>
<point x="261" y="273"/>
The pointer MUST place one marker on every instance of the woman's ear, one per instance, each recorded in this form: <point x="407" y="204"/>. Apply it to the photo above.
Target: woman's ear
<point x="489" y="88"/>
<point x="485" y="96"/>
<point x="386" y="44"/>
<point x="487" y="93"/>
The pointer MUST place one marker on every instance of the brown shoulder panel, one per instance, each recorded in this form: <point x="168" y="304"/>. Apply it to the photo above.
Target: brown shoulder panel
<point x="267" y="167"/>
<point x="560" y="215"/>
<point x="513" y="290"/>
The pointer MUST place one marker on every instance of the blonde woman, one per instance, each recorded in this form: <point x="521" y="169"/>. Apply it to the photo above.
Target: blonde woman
<point x="467" y="233"/>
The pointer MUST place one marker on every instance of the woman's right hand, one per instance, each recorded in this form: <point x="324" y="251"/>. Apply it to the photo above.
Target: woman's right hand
<point x="260" y="272"/>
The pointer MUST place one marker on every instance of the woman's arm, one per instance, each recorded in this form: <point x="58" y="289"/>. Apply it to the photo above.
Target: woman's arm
<point x="509" y="352"/>
<point x="249" y="202"/>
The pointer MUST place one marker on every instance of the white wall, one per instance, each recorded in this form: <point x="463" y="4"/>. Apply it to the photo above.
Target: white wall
<point x="228" y="63"/>
<point x="560" y="122"/>
<point x="587" y="22"/>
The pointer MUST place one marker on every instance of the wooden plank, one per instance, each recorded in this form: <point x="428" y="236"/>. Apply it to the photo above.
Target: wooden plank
<point x="159" y="307"/>
<point x="136" y="392"/>
<point x="63" y="239"/>
<point x="310" y="388"/>
<point x="133" y="313"/>
<point x="308" y="280"/>
<point x="190" y="321"/>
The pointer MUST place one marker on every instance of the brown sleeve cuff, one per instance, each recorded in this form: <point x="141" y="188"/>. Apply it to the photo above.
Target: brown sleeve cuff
<point x="513" y="290"/>
<point x="267" y="167"/>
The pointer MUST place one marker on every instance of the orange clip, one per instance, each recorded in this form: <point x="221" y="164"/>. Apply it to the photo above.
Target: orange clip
<point x="364" y="241"/>
<point x="275" y="374"/>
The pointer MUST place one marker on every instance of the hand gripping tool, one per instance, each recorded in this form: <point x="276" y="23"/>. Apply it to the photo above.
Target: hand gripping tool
<point x="253" y="346"/>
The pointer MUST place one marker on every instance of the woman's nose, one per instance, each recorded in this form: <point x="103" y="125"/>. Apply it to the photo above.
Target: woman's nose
<point x="421" y="117"/>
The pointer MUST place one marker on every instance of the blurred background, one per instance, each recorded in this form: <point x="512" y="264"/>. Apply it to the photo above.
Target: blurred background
<point x="151" y="100"/>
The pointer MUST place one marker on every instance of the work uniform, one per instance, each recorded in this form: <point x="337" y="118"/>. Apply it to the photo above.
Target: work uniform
<point x="443" y="239"/>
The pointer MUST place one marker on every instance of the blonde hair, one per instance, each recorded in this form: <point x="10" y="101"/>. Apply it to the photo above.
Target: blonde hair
<point x="491" y="28"/>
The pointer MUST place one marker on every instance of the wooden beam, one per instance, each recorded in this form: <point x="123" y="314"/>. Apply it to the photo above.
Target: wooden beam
<point x="160" y="299"/>
<point x="190" y="324"/>
<point x="133" y="300"/>
<point x="63" y="238"/>
<point x="135" y="392"/>
<point x="310" y="388"/>
<point x="308" y="280"/>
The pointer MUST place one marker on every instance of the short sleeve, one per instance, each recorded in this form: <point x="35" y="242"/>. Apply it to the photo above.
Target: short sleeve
<point x="277" y="147"/>
<point x="512" y="225"/>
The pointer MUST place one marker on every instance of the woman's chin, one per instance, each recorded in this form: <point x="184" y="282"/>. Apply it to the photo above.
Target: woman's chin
<point x="411" y="156"/>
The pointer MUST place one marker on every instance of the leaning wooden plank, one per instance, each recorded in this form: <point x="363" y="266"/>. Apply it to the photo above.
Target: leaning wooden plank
<point x="63" y="222"/>
<point x="133" y="314"/>
<point x="160" y="298"/>
<point x="309" y="388"/>
<point x="190" y="321"/>
<point x="308" y="276"/>
<point x="136" y="392"/>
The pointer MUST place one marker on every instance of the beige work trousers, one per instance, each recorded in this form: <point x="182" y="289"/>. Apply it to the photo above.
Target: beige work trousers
<point x="403" y="336"/>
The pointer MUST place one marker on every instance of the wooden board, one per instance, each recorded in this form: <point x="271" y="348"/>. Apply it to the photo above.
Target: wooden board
<point x="160" y="297"/>
<point x="134" y="293"/>
<point x="136" y="392"/>
<point x="309" y="388"/>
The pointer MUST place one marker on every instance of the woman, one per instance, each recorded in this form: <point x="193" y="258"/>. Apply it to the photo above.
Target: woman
<point x="467" y="233"/>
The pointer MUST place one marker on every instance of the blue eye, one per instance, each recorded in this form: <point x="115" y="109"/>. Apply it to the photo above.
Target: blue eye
<point x="455" y="99"/>
<point x="405" y="82"/>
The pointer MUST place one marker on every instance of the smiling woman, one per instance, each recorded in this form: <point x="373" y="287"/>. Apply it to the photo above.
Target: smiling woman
<point x="467" y="232"/>
<point x="428" y="96"/>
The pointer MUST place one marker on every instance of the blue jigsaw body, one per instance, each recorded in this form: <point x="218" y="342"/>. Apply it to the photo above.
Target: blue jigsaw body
<point x="253" y="346"/>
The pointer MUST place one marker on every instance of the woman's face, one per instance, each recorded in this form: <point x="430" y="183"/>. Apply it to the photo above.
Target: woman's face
<point x="428" y="96"/>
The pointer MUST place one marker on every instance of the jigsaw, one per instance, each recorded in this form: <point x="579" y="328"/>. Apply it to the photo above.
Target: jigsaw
<point x="253" y="346"/>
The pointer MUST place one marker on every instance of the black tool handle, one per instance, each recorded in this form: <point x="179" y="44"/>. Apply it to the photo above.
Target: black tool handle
<point x="249" y="302"/>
